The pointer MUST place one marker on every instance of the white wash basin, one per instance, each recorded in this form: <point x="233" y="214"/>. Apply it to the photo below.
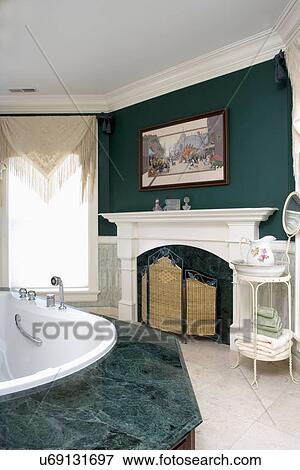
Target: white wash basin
<point x="242" y="267"/>
<point x="71" y="340"/>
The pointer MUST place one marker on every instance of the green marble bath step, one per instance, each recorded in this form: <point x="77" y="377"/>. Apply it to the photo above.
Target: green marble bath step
<point x="138" y="397"/>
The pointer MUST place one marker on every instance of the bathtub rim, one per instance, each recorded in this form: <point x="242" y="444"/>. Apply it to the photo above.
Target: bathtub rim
<point x="53" y="374"/>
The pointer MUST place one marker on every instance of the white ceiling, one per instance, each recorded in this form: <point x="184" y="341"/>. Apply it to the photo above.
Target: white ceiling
<point x="97" y="46"/>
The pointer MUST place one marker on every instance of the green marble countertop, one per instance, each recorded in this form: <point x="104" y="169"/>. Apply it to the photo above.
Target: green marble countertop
<point x="137" y="397"/>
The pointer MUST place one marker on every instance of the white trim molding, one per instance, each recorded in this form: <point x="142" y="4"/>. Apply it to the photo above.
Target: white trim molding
<point x="37" y="103"/>
<point x="235" y="215"/>
<point x="233" y="57"/>
<point x="230" y="58"/>
<point x="288" y="24"/>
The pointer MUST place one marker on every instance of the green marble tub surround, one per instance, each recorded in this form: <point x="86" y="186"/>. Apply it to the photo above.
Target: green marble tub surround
<point x="138" y="397"/>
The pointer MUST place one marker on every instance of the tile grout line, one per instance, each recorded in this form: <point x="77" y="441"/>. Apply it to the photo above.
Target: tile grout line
<point x="257" y="396"/>
<point x="264" y="412"/>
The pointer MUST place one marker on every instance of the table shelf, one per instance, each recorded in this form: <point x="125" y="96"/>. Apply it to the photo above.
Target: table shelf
<point x="255" y="283"/>
<point x="266" y="357"/>
<point x="264" y="280"/>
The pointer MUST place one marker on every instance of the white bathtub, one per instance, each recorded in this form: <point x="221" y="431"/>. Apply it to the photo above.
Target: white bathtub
<point x="25" y="364"/>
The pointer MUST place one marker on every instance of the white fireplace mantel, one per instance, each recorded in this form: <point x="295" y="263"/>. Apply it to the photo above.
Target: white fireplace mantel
<point x="250" y="215"/>
<point x="218" y="231"/>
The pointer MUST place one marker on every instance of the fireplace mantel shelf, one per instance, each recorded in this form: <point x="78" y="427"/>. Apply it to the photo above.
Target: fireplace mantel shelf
<point x="257" y="214"/>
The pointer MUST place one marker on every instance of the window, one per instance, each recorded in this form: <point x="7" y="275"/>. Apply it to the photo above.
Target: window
<point x="55" y="238"/>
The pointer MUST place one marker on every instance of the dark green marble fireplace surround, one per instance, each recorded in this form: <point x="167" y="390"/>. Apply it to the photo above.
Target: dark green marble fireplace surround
<point x="210" y="265"/>
<point x="137" y="397"/>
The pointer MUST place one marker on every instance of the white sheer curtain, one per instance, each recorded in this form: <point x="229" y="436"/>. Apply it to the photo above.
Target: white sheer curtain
<point x="47" y="150"/>
<point x="293" y="63"/>
<point x="48" y="217"/>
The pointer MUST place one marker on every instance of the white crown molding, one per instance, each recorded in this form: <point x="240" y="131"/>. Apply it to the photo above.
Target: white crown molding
<point x="250" y="51"/>
<point x="288" y="24"/>
<point x="37" y="104"/>
<point x="231" y="58"/>
<point x="239" y="55"/>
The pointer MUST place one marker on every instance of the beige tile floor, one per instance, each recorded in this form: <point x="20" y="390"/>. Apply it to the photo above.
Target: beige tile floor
<point x="234" y="415"/>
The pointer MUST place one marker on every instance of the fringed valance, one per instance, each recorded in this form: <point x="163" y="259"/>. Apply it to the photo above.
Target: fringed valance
<point x="45" y="151"/>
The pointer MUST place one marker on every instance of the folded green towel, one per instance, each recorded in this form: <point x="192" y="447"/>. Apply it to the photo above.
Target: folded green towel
<point x="267" y="312"/>
<point x="271" y="334"/>
<point x="269" y="322"/>
<point x="270" y="328"/>
<point x="274" y="329"/>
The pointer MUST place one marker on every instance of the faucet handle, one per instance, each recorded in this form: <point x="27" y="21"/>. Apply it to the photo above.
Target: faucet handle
<point x="23" y="293"/>
<point x="31" y="295"/>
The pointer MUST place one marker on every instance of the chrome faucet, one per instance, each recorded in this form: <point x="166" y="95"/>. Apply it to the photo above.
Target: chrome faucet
<point x="56" y="281"/>
<point x="23" y="293"/>
<point x="31" y="295"/>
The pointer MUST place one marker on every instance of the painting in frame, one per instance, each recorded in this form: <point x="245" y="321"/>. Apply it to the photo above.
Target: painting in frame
<point x="185" y="153"/>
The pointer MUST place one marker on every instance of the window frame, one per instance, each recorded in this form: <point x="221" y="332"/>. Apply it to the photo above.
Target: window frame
<point x="71" y="294"/>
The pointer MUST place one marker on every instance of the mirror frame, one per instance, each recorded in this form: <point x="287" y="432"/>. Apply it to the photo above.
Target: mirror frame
<point x="289" y="197"/>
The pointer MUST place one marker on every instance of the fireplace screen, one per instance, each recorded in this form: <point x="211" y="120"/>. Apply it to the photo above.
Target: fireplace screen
<point x="176" y="299"/>
<point x="200" y="304"/>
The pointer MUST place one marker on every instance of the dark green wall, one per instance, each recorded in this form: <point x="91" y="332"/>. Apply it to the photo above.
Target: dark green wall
<point x="104" y="227"/>
<point x="259" y="144"/>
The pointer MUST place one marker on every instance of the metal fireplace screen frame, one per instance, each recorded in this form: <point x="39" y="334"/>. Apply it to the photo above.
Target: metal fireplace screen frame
<point x="175" y="299"/>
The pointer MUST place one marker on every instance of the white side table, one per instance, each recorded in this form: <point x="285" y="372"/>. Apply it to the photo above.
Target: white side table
<point x="255" y="283"/>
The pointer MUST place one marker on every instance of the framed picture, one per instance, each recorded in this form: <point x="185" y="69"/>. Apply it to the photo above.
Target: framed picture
<point x="185" y="153"/>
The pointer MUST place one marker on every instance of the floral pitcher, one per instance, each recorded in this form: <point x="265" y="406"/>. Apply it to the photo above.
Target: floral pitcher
<point x="260" y="252"/>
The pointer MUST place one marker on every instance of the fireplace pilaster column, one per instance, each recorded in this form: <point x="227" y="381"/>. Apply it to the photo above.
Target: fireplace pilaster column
<point x="127" y="253"/>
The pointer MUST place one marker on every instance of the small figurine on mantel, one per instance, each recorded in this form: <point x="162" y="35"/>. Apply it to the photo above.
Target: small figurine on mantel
<point x="157" y="206"/>
<point x="186" y="206"/>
